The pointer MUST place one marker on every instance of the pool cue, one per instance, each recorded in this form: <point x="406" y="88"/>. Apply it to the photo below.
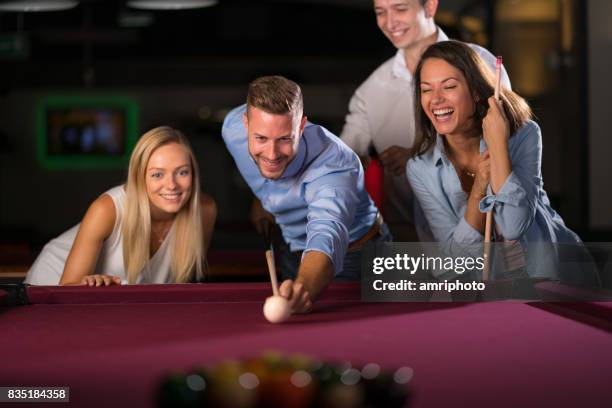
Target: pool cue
<point x="489" y="219"/>
<point x="270" y="261"/>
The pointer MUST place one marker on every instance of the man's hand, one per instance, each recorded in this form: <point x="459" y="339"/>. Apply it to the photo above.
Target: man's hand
<point x="297" y="295"/>
<point x="394" y="159"/>
<point x="101" y="280"/>
<point x="261" y="219"/>
<point x="316" y="272"/>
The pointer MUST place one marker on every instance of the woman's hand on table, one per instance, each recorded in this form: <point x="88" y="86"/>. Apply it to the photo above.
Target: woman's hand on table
<point x="101" y="280"/>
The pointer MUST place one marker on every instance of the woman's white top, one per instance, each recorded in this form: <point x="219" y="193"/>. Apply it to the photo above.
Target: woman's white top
<point x="49" y="266"/>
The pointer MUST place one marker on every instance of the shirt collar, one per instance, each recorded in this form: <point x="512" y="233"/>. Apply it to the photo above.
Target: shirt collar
<point x="399" y="68"/>
<point x="295" y="165"/>
<point x="483" y="145"/>
<point x="441" y="35"/>
<point x="439" y="155"/>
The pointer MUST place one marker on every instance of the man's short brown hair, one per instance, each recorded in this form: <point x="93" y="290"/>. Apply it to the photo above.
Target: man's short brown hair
<point x="277" y="95"/>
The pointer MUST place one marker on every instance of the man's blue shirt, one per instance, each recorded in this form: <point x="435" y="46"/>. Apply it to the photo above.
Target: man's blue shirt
<point x="320" y="201"/>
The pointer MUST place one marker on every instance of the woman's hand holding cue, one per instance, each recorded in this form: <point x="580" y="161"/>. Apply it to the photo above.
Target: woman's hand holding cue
<point x="496" y="132"/>
<point x="495" y="126"/>
<point x="483" y="176"/>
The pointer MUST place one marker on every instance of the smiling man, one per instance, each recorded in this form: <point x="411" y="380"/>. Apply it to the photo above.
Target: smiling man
<point x="381" y="112"/>
<point x="309" y="181"/>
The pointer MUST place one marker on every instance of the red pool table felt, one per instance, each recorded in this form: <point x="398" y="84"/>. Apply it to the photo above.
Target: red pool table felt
<point x="112" y="345"/>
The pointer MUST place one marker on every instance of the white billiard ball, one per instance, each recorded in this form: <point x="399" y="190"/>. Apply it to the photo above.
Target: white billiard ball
<point x="276" y="309"/>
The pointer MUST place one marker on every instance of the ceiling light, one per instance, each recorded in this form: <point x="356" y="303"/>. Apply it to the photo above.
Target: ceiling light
<point x="37" y="5"/>
<point x="170" y="4"/>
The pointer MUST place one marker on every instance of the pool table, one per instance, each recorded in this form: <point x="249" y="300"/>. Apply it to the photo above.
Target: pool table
<point x="112" y="345"/>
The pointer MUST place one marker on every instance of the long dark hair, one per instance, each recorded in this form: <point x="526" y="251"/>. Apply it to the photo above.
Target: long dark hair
<point x="480" y="81"/>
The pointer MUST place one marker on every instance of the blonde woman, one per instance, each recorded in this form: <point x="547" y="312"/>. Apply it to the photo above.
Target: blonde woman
<point x="154" y="229"/>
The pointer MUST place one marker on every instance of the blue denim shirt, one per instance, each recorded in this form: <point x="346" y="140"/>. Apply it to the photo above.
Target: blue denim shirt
<point x="320" y="201"/>
<point x="521" y="207"/>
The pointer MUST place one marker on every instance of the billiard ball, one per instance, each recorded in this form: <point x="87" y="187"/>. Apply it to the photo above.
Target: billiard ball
<point x="276" y="309"/>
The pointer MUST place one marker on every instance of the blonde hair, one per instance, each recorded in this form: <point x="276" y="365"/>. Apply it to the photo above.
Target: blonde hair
<point x="188" y="254"/>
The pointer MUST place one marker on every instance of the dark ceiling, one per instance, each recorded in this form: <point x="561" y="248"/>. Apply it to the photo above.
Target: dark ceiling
<point x="231" y="28"/>
<point x="106" y="43"/>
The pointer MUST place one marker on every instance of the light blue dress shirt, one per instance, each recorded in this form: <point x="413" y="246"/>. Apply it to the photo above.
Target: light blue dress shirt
<point x="320" y="201"/>
<point x="521" y="207"/>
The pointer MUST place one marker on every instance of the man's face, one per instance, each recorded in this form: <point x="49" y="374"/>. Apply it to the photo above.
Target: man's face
<point x="273" y="141"/>
<point x="404" y="22"/>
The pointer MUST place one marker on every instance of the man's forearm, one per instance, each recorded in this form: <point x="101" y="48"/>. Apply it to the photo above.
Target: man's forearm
<point x="316" y="272"/>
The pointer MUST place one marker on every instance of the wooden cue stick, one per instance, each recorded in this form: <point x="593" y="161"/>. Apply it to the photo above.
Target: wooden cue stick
<point x="487" y="245"/>
<point x="272" y="271"/>
<point x="489" y="219"/>
<point x="265" y="228"/>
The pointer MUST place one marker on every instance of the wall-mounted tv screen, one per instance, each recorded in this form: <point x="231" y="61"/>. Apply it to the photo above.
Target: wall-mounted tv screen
<point x="86" y="131"/>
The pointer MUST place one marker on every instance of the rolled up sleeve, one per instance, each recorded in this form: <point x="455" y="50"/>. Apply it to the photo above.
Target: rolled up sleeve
<point x="332" y="205"/>
<point x="515" y="203"/>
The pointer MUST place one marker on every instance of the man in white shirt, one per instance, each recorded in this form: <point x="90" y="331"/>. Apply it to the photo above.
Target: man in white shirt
<point x="381" y="112"/>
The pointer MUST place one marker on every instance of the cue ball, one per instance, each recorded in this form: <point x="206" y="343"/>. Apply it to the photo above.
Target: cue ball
<point x="276" y="309"/>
